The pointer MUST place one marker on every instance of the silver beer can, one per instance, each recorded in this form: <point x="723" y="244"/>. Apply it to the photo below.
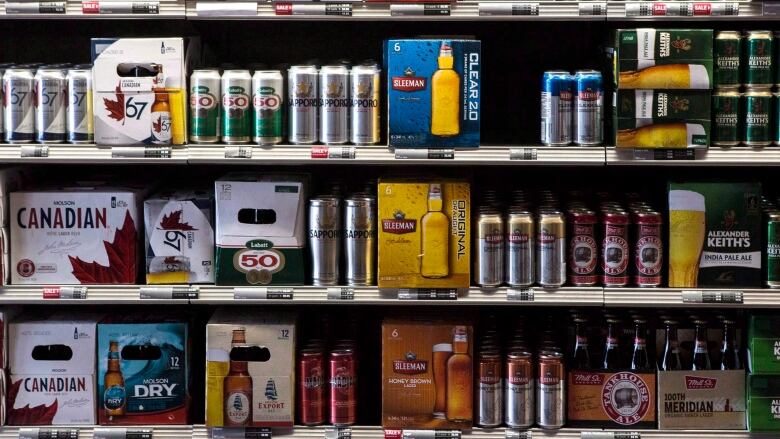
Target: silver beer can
<point x="18" y="111"/>
<point x="325" y="239"/>
<point x="551" y="249"/>
<point x="551" y="391"/>
<point x="519" y="390"/>
<point x="520" y="249"/>
<point x="364" y="92"/>
<point x="302" y="86"/>
<point x="267" y="101"/>
<point x="334" y="105"/>
<point x="50" y="93"/>
<point x="79" y="112"/>
<point x="489" y="257"/>
<point x="360" y="239"/>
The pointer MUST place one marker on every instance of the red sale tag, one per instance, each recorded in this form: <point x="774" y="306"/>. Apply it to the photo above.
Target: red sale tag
<point x="319" y="152"/>
<point x="51" y="292"/>
<point x="283" y="8"/>
<point x="702" y="9"/>
<point x="90" y="7"/>
<point x="659" y="9"/>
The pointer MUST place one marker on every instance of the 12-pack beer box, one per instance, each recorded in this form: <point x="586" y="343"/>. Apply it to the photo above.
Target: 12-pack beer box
<point x="143" y="370"/>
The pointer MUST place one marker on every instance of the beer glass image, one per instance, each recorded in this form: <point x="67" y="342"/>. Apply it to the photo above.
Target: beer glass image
<point x="687" y="227"/>
<point x="441" y="353"/>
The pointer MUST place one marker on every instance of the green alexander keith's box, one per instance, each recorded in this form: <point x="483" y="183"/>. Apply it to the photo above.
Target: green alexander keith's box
<point x="764" y="344"/>
<point x="763" y="403"/>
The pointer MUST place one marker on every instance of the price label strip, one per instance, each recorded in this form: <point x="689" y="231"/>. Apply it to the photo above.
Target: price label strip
<point x="698" y="296"/>
<point x="240" y="433"/>
<point x="610" y="435"/>
<point x="520" y="295"/>
<point x="222" y="8"/>
<point x="431" y="434"/>
<point x="120" y="7"/>
<point x="345" y="293"/>
<point x="169" y="293"/>
<point x="680" y="9"/>
<point x="122" y="433"/>
<point x="238" y="152"/>
<point x="263" y="293"/>
<point x="593" y="8"/>
<point x="338" y="433"/>
<point x="427" y="294"/>
<point x="665" y="154"/>
<point x="143" y="152"/>
<point x="48" y="433"/>
<point x="64" y="292"/>
<point x="12" y="8"/>
<point x="424" y="153"/>
<point x="426" y="9"/>
<point x="508" y="8"/>
<point x="318" y="9"/>
<point x="27" y="151"/>
<point x="523" y="154"/>
<point x="333" y="152"/>
<point x="512" y="433"/>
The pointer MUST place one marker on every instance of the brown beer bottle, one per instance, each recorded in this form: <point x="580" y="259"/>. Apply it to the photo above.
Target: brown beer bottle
<point x="671" y="359"/>
<point x="581" y="355"/>
<point x="114" y="398"/>
<point x="640" y="359"/>
<point x="237" y="386"/>
<point x="459" y="383"/>
<point x="701" y="354"/>
<point x="729" y="353"/>
<point x="612" y="349"/>
<point x="161" y="118"/>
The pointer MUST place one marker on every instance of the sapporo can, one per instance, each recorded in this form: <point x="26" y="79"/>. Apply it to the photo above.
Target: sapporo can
<point x="360" y="239"/>
<point x="364" y="94"/>
<point x="334" y="104"/>
<point x="727" y="118"/>
<point x="489" y="258"/>
<point x="557" y="100"/>
<point x="589" y="108"/>
<point x="236" y="114"/>
<point x="325" y="239"/>
<point x="583" y="250"/>
<point x="773" y="250"/>
<point x="520" y="249"/>
<point x="205" y="99"/>
<point x="757" y="108"/>
<point x="648" y="248"/>
<point x="519" y="390"/>
<point x="80" y="118"/>
<point x="489" y="397"/>
<point x="302" y="86"/>
<point x="728" y="48"/>
<point x="758" y="59"/>
<point x="50" y="94"/>
<point x="550" y="391"/>
<point x="18" y="109"/>
<point x="614" y="248"/>
<point x="343" y="386"/>
<point x="311" y="385"/>
<point x="267" y="103"/>
<point x="551" y="249"/>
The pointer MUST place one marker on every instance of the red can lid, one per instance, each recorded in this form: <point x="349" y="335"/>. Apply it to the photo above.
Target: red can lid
<point x="616" y="217"/>
<point x="583" y="216"/>
<point x="648" y="217"/>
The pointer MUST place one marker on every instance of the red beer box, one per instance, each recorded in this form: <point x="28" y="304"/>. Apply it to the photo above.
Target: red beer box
<point x="612" y="399"/>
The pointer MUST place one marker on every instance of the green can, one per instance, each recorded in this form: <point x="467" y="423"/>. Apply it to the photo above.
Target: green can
<point x="776" y="54"/>
<point x="773" y="249"/>
<point x="757" y="108"/>
<point x="236" y="110"/>
<point x="267" y="103"/>
<point x="758" y="59"/>
<point x="728" y="47"/>
<point x="204" y="106"/>
<point x="726" y="118"/>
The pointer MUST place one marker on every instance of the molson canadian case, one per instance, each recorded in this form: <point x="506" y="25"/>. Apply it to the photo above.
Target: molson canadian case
<point x="424" y="234"/>
<point x="260" y="231"/>
<point x="52" y="370"/>
<point x="764" y="344"/>
<point x="250" y="369"/>
<point x="179" y="237"/>
<point x="143" y="370"/>
<point x="75" y="235"/>
<point x="434" y="93"/>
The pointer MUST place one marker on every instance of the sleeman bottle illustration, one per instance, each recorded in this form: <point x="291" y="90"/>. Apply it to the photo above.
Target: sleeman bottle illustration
<point x="445" y="101"/>
<point x="434" y="227"/>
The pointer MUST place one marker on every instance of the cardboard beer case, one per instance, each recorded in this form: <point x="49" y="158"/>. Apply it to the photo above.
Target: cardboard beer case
<point x="764" y="343"/>
<point x="611" y="398"/>
<point x="763" y="403"/>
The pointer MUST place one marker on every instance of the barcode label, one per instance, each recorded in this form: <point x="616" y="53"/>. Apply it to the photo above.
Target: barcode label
<point x="520" y="294"/>
<point x="337" y="293"/>
<point x="263" y="293"/>
<point x="238" y="152"/>
<point x="523" y="154"/>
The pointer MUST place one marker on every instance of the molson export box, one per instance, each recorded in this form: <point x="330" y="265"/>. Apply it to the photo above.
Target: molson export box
<point x="143" y="370"/>
<point x="424" y="234"/>
<point x="427" y="368"/>
<point x="75" y="235"/>
<point x="179" y="238"/>
<point x="250" y="369"/>
<point x="433" y="93"/>
<point x="139" y="91"/>
<point x="715" y="235"/>
<point x="662" y="118"/>
<point x="260" y="231"/>
<point x="764" y="344"/>
<point x="52" y="368"/>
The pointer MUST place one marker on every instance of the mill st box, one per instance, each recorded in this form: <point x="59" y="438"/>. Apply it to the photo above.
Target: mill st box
<point x="52" y="370"/>
<point x="611" y="398"/>
<point x="250" y="369"/>
<point x="143" y="370"/>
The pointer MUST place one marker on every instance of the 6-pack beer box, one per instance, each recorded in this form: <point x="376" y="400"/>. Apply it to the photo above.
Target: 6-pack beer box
<point x="764" y="343"/>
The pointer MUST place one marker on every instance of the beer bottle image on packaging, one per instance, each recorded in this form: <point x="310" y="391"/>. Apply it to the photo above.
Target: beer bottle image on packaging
<point x="445" y="102"/>
<point x="459" y="382"/>
<point x="441" y="354"/>
<point x="161" y="118"/>
<point x="238" y="386"/>
<point x="114" y="384"/>
<point x="686" y="237"/>
<point x="434" y="227"/>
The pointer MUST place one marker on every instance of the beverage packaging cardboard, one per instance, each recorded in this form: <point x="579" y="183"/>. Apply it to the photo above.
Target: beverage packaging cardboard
<point x="612" y="399"/>
<point x="179" y="237"/>
<point x="433" y="93"/>
<point x="52" y="370"/>
<point x="764" y="344"/>
<point x="763" y="403"/>
<point x="153" y="353"/>
<point x="75" y="235"/>
<point x="260" y="225"/>
<point x="266" y="398"/>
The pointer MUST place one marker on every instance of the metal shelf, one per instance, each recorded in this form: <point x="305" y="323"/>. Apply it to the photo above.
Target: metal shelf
<point x="713" y="156"/>
<point x="77" y="154"/>
<point x="103" y="9"/>
<point x="87" y="432"/>
<point x="692" y="297"/>
<point x="685" y="11"/>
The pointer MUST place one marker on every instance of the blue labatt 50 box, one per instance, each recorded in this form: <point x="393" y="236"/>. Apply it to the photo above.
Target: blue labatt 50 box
<point x="433" y="93"/>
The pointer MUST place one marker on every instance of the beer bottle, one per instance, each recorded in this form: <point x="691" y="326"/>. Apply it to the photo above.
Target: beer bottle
<point x="237" y="385"/>
<point x="640" y="359"/>
<point x="671" y="359"/>
<point x="729" y="353"/>
<point x="701" y="355"/>
<point x="114" y="398"/>
<point x="581" y="355"/>
<point x="611" y="350"/>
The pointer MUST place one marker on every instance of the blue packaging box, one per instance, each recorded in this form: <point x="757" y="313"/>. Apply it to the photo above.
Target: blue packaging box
<point x="433" y="93"/>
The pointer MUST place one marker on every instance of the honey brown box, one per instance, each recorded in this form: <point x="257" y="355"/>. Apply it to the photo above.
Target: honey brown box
<point x="427" y="374"/>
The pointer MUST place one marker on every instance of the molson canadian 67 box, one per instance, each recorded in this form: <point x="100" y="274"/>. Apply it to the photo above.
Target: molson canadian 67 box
<point x="143" y="370"/>
<point x="75" y="235"/>
<point x="433" y="93"/>
<point x="424" y="234"/>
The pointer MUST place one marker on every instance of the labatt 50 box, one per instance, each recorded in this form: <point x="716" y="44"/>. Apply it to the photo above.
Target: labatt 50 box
<point x="143" y="370"/>
<point x="139" y="91"/>
<point x="424" y="234"/>
<point x="75" y="235"/>
<point x="250" y="369"/>
<point x="260" y="229"/>
<point x="52" y="362"/>
<point x="433" y="93"/>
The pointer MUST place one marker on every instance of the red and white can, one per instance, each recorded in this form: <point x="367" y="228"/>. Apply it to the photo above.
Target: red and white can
<point x="614" y="248"/>
<point x="583" y="249"/>
<point x="311" y="386"/>
<point x="343" y="386"/>
<point x="648" y="248"/>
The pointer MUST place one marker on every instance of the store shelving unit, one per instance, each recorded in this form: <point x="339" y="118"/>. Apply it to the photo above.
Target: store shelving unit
<point x="93" y="9"/>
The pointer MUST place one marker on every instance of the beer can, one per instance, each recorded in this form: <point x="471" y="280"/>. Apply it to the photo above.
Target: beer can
<point x="776" y="55"/>
<point x="589" y="116"/>
<point x="50" y="94"/>
<point x="490" y="394"/>
<point x="343" y="386"/>
<point x="364" y="94"/>
<point x="267" y="104"/>
<point x="583" y="250"/>
<point x="18" y="111"/>
<point x="551" y="249"/>
<point x="80" y="118"/>
<point x="519" y="390"/>
<point x="648" y="248"/>
<point x="302" y="86"/>
<point x="324" y="239"/>
<point x="727" y="117"/>
<point x="614" y="248"/>
<point x="311" y="386"/>
<point x="334" y="104"/>
<point x="520" y="249"/>
<point x="758" y="56"/>
<point x="205" y="98"/>
<point x="757" y="108"/>
<point x="236" y="115"/>
<point x="773" y="250"/>
<point x="727" y="72"/>
<point x="3" y="67"/>
<point x="360" y="239"/>
<point x="775" y="121"/>
<point x="557" y="99"/>
<point x="551" y="391"/>
<point x="489" y="257"/>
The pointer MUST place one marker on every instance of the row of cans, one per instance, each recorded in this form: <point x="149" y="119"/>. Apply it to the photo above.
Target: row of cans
<point x="327" y="383"/>
<point x="748" y="59"/>
<point x="46" y="103"/>
<point x="572" y="108"/>
<point x="333" y="105"/>
<point x="749" y="118"/>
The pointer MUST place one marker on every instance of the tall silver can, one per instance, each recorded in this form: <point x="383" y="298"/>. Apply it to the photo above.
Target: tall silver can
<point x="360" y="239"/>
<point x="79" y="112"/>
<point x="302" y="88"/>
<point x="520" y="251"/>
<point x="334" y="105"/>
<point x="325" y="239"/>
<point x="18" y="111"/>
<point x="364" y="93"/>
<point x="50" y="94"/>
<point x="551" y="391"/>
<point x="489" y="257"/>
<point x="519" y="390"/>
<point x="551" y="249"/>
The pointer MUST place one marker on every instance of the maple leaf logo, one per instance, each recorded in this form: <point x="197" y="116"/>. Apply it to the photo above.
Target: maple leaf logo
<point x="121" y="259"/>
<point x="38" y="415"/>
<point x="157" y="125"/>
<point x="173" y="222"/>
<point x="116" y="109"/>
